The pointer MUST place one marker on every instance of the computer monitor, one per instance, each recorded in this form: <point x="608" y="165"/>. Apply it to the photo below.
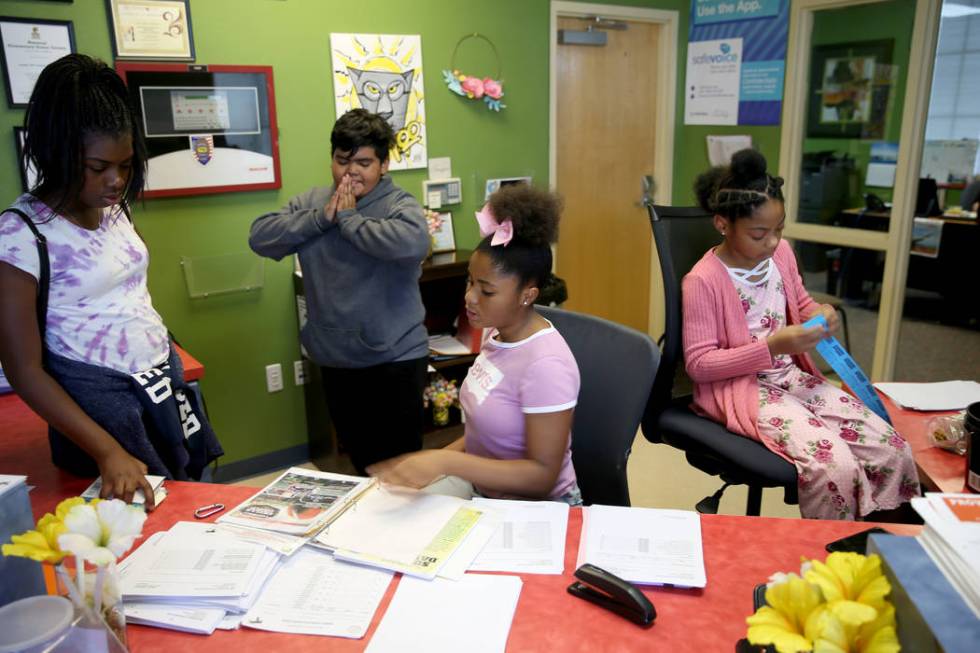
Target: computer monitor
<point x="927" y="198"/>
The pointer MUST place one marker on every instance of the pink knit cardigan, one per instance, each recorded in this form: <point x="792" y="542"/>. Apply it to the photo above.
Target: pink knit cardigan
<point x="719" y="354"/>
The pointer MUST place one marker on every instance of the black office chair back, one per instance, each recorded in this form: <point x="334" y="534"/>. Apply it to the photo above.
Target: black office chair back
<point x="682" y="235"/>
<point x="617" y="366"/>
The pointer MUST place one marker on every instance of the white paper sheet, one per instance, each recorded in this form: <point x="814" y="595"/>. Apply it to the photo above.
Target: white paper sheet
<point x="447" y="345"/>
<point x="156" y="482"/>
<point x="201" y="621"/>
<point x="721" y="148"/>
<point x="473" y="614"/>
<point x="279" y="542"/>
<point x="644" y="545"/>
<point x="313" y="594"/>
<point x="529" y="538"/>
<point x="945" y="395"/>
<point x="191" y="567"/>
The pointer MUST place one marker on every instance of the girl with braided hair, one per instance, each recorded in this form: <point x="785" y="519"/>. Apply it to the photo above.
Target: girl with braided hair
<point x="521" y="391"/>
<point x="746" y="350"/>
<point x="80" y="340"/>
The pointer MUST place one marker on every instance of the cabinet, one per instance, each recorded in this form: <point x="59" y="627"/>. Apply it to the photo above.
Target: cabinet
<point x="442" y="285"/>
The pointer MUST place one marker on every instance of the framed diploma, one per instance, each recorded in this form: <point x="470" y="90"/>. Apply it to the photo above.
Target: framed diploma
<point x="209" y="129"/>
<point x="151" y="29"/>
<point x="28" y="46"/>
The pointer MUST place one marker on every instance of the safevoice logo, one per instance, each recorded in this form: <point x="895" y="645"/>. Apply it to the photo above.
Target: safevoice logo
<point x="726" y="56"/>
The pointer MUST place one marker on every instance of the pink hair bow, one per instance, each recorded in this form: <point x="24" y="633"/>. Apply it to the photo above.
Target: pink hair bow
<point x="502" y="232"/>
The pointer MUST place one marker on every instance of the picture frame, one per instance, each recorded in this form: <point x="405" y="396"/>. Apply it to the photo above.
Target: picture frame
<point x="151" y="30"/>
<point x="208" y="129"/>
<point x="27" y="46"/>
<point x="443" y="237"/>
<point x="850" y="89"/>
<point x="28" y="175"/>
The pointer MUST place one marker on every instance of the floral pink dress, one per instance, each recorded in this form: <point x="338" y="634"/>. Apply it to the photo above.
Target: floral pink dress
<point x="850" y="462"/>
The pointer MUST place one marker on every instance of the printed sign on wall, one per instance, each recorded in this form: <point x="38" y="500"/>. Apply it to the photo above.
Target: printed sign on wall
<point x="383" y="74"/>
<point x="736" y="62"/>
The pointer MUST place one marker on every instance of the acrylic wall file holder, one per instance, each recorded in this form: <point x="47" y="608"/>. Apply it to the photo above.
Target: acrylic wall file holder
<point x="222" y="274"/>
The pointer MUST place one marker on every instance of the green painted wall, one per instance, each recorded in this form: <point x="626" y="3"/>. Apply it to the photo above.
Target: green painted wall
<point x="235" y="336"/>
<point x="885" y="20"/>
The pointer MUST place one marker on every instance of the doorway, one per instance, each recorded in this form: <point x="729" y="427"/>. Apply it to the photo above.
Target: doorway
<point x="613" y="72"/>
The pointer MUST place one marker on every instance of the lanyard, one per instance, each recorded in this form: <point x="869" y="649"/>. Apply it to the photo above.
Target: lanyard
<point x="848" y="370"/>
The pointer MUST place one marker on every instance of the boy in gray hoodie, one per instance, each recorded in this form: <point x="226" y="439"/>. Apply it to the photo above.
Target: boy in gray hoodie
<point x="360" y="244"/>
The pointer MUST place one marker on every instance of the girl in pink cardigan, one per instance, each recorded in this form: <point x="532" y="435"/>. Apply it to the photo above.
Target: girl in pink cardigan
<point x="745" y="349"/>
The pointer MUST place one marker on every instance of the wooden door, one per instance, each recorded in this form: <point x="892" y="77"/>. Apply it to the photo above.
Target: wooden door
<point x="606" y="121"/>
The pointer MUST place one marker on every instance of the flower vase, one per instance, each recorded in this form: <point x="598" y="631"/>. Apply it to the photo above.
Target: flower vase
<point x="99" y="625"/>
<point x="440" y="415"/>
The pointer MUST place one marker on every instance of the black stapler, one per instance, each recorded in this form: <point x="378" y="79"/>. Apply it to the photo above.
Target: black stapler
<point x="612" y="593"/>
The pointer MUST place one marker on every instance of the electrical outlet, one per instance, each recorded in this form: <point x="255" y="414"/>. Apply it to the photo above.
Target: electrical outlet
<point x="299" y="372"/>
<point x="273" y="377"/>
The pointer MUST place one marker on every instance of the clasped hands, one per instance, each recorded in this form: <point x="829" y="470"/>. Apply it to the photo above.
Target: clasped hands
<point x="341" y="200"/>
<point x="796" y="339"/>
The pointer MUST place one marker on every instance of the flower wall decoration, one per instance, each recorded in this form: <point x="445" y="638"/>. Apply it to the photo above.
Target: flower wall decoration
<point x="474" y="87"/>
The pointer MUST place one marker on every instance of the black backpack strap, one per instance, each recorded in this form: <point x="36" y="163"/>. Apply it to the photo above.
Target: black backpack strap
<point x="44" y="276"/>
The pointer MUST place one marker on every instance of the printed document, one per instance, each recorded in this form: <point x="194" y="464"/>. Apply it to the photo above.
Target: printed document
<point x="644" y="545"/>
<point x="401" y="529"/>
<point x="472" y="614"/>
<point x="529" y="538"/>
<point x="299" y="502"/>
<point x="313" y="594"/>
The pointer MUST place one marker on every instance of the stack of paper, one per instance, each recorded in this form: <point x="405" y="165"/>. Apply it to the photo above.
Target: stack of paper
<point x="156" y="482"/>
<point x="402" y="530"/>
<point x="473" y="614"/>
<point x="446" y="345"/>
<point x="188" y="578"/>
<point x="529" y="537"/>
<point x="299" y="502"/>
<point x="313" y="594"/>
<point x="947" y="395"/>
<point x="951" y="537"/>
<point x="644" y="545"/>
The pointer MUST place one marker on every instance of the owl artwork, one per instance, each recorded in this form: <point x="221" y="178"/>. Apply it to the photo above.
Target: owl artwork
<point x="384" y="93"/>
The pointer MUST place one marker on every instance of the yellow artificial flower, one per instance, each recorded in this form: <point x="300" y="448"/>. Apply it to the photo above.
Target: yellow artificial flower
<point x="878" y="636"/>
<point x="67" y="504"/>
<point x="853" y="585"/>
<point x="782" y="622"/>
<point x="41" y="544"/>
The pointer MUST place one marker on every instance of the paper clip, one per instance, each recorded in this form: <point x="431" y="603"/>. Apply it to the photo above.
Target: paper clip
<point x="206" y="511"/>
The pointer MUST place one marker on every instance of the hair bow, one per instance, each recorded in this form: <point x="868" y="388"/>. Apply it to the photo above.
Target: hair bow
<point x="502" y="232"/>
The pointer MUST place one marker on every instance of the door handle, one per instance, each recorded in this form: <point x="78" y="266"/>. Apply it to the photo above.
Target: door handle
<point x="649" y="187"/>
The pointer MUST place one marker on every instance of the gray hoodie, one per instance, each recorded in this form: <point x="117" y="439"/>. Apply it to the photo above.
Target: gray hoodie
<point x="360" y="273"/>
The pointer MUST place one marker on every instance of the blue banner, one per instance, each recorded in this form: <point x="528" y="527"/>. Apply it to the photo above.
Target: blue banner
<point x="763" y="26"/>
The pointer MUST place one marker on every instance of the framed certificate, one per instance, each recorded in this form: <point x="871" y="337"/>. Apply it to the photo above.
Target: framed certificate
<point x="28" y="46"/>
<point x="209" y="129"/>
<point x="151" y="29"/>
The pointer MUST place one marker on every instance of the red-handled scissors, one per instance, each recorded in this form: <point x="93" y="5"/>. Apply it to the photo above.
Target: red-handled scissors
<point x="206" y="511"/>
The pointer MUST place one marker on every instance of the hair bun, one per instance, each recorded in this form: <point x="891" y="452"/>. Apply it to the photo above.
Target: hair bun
<point x="748" y="165"/>
<point x="533" y="212"/>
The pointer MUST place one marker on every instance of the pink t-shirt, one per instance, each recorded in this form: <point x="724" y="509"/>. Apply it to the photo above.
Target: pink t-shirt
<point x="511" y="379"/>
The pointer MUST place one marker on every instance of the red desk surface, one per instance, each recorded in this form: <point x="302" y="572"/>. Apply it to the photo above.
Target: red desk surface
<point x="739" y="553"/>
<point x="939" y="470"/>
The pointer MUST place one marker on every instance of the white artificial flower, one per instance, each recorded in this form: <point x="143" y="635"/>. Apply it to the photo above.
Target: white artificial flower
<point x="102" y="533"/>
<point x="779" y="578"/>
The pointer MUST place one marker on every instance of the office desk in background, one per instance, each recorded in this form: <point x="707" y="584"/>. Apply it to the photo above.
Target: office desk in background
<point x="739" y="553"/>
<point x="939" y="470"/>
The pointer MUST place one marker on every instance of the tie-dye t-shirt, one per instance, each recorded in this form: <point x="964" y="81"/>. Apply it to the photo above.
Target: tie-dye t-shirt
<point x="99" y="308"/>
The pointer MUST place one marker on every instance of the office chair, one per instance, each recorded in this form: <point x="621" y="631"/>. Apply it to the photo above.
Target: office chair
<point x="617" y="366"/>
<point x="708" y="446"/>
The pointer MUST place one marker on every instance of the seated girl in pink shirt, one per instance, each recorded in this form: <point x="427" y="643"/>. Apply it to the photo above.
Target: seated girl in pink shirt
<point x="520" y="393"/>
<point x="745" y="349"/>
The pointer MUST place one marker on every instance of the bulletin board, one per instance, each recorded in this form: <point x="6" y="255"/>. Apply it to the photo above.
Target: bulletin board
<point x="208" y="129"/>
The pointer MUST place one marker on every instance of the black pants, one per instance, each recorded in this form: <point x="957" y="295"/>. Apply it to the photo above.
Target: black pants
<point x="377" y="411"/>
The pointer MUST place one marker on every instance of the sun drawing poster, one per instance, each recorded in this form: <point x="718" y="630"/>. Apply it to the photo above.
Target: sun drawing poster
<point x="383" y="74"/>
